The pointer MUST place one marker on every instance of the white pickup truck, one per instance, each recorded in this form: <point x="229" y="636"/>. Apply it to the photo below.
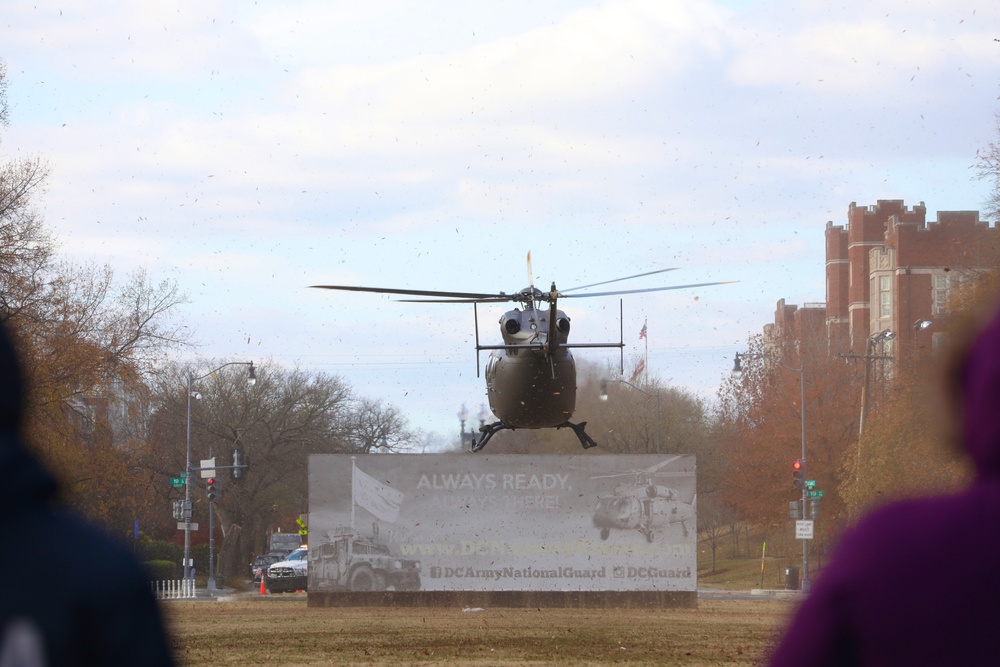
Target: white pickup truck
<point x="291" y="574"/>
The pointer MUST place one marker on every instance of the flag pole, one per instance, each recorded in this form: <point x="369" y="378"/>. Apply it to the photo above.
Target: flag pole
<point x="647" y="352"/>
<point x="354" y="466"/>
<point x="645" y="338"/>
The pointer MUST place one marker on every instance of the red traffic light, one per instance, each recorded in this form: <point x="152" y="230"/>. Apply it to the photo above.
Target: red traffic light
<point x="797" y="465"/>
<point x="797" y="475"/>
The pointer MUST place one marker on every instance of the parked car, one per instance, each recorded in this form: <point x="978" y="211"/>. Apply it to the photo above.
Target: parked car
<point x="260" y="563"/>
<point x="291" y="574"/>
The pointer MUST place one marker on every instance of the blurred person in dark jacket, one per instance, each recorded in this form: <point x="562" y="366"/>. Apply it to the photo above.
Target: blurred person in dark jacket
<point x="70" y="595"/>
<point x="916" y="582"/>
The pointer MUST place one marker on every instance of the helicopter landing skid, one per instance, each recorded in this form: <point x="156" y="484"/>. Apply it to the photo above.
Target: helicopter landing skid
<point x="585" y="439"/>
<point x="487" y="430"/>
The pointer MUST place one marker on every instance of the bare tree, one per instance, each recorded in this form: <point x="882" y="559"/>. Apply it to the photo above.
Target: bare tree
<point x="275" y="425"/>
<point x="988" y="168"/>
<point x="87" y="341"/>
<point x="374" y="427"/>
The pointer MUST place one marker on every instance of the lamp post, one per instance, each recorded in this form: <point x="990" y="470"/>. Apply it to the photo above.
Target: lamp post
<point x="737" y="373"/>
<point x="876" y="339"/>
<point x="463" y="415"/>
<point x="604" y="397"/>
<point x="919" y="326"/>
<point x="191" y="379"/>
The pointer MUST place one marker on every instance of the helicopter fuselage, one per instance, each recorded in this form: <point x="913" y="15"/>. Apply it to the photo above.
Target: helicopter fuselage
<point x="531" y="377"/>
<point x="531" y="381"/>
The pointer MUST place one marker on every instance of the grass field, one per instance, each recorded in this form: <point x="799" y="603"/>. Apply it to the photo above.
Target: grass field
<point x="248" y="629"/>
<point x="283" y="631"/>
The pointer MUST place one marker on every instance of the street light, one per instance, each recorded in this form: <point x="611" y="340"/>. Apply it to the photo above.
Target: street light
<point x="737" y="374"/>
<point x="463" y="415"/>
<point x="604" y="397"/>
<point x="875" y="339"/>
<point x="919" y="326"/>
<point x="191" y="379"/>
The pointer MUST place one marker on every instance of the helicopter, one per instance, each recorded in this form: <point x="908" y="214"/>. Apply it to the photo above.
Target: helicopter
<point x="531" y="376"/>
<point x="642" y="504"/>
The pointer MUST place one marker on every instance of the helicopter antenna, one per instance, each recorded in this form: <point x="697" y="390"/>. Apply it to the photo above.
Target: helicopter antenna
<point x="531" y="285"/>
<point x="475" y="314"/>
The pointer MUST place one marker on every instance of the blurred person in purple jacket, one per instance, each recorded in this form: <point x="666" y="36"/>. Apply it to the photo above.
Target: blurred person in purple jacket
<point x="918" y="581"/>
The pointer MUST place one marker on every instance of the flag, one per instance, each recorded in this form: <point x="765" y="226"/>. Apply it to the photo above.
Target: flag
<point x="639" y="368"/>
<point x="381" y="500"/>
<point x="642" y="334"/>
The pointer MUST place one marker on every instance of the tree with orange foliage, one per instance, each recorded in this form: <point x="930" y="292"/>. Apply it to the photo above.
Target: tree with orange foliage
<point x="902" y="451"/>
<point x="762" y="411"/>
<point x="86" y="342"/>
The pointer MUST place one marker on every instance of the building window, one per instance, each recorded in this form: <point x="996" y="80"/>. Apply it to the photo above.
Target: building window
<point x="942" y="283"/>
<point x="885" y="296"/>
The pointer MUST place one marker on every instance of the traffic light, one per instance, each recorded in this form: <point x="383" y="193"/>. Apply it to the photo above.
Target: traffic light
<point x="797" y="474"/>
<point x="237" y="471"/>
<point x="211" y="488"/>
<point x="814" y="508"/>
<point x="795" y="509"/>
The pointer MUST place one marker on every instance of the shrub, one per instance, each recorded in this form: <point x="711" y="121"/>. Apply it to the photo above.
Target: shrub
<point x="162" y="570"/>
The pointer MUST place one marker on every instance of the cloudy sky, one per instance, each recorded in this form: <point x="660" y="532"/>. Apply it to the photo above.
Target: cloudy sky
<point x="248" y="150"/>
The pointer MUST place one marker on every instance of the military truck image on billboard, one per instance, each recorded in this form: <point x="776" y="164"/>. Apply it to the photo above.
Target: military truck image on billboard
<point x="352" y="563"/>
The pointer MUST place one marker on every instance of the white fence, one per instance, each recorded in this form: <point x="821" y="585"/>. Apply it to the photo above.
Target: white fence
<point x="174" y="589"/>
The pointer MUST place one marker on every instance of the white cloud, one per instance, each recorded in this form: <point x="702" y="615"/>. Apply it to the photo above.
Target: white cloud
<point x="251" y="150"/>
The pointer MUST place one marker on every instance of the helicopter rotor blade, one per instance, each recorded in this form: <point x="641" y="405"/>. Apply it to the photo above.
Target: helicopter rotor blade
<point x="654" y="468"/>
<point x="531" y="279"/>
<point x="496" y="298"/>
<point x="617" y="280"/>
<point x="651" y="470"/>
<point x="415" y="292"/>
<point x="648" y="289"/>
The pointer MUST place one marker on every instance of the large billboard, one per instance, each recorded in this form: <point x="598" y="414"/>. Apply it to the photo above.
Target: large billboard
<point x="502" y="523"/>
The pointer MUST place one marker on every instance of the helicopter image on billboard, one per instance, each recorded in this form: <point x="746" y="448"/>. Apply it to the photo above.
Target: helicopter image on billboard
<point x="642" y="504"/>
<point x="531" y="376"/>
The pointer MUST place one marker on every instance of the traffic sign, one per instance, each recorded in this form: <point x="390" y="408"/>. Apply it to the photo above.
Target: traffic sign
<point x="182" y="526"/>
<point x="177" y="482"/>
<point x="804" y="529"/>
<point x="810" y="484"/>
<point x="815" y="494"/>
<point x="208" y="468"/>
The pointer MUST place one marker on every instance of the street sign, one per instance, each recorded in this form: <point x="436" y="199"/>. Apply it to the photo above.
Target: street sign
<point x="804" y="529"/>
<point x="303" y="532"/>
<point x="208" y="468"/>
<point x="815" y="494"/>
<point x="177" y="482"/>
<point x="182" y="526"/>
<point x="182" y="509"/>
<point x="810" y="484"/>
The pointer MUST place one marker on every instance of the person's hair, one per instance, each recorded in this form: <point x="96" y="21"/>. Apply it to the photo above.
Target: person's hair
<point x="963" y="333"/>
<point x="11" y="383"/>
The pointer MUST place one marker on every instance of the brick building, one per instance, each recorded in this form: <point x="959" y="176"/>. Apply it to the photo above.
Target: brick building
<point x="802" y="329"/>
<point x="888" y="269"/>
